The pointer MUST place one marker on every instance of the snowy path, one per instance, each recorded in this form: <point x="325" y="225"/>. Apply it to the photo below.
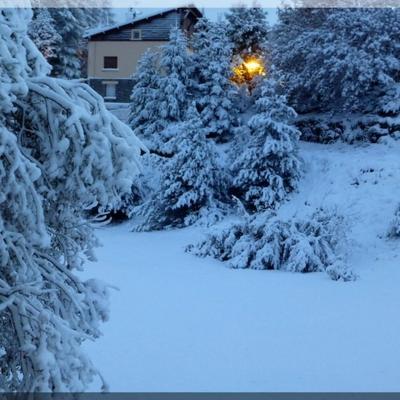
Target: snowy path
<point x="185" y="324"/>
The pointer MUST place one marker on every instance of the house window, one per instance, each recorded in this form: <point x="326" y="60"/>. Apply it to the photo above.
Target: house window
<point x="110" y="63"/>
<point x="110" y="90"/>
<point x="136" y="34"/>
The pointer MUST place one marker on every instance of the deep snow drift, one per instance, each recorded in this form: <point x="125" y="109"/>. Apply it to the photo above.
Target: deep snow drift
<point x="180" y="323"/>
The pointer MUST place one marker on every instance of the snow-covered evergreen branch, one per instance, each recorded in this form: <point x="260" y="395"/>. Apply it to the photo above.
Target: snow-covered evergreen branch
<point x="61" y="152"/>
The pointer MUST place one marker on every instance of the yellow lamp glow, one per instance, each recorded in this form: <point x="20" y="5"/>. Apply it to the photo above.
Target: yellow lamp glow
<point x="248" y="69"/>
<point x="254" y="67"/>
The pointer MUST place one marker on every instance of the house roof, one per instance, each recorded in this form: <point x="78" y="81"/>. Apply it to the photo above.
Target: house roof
<point x="140" y="18"/>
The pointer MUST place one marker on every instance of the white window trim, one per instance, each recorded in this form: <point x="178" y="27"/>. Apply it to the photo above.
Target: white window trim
<point x="110" y="69"/>
<point x="110" y="83"/>
<point x="140" y="34"/>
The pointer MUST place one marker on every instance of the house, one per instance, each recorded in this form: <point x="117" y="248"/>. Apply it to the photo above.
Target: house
<point x="114" y="51"/>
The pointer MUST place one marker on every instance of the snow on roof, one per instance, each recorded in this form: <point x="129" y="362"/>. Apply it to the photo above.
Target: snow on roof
<point x="140" y="17"/>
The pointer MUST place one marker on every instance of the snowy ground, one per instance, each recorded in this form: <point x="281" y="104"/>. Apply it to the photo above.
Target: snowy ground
<point x="120" y="110"/>
<point x="185" y="324"/>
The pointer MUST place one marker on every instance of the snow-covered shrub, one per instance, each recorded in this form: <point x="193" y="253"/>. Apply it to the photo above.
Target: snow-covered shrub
<point x="215" y="93"/>
<point x="394" y="229"/>
<point x="144" y="185"/>
<point x="268" y="166"/>
<point x="320" y="129"/>
<point x="191" y="184"/>
<point x="327" y="128"/>
<point x="61" y="153"/>
<point x="265" y="242"/>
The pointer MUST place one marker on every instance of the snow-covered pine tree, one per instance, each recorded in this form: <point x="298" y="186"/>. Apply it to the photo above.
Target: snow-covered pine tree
<point x="289" y="50"/>
<point x="268" y="166"/>
<point x="215" y="93"/>
<point x="100" y="14"/>
<point x="96" y="13"/>
<point x="336" y="59"/>
<point x="266" y="242"/>
<point x="43" y="33"/>
<point x="247" y="29"/>
<point x="60" y="153"/>
<point x="191" y="181"/>
<point x="174" y="84"/>
<point x="144" y="110"/>
<point x="175" y="80"/>
<point x="164" y="81"/>
<point x="71" y="24"/>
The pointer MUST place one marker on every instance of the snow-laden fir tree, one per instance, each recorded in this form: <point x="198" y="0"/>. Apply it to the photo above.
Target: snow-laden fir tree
<point x="44" y="35"/>
<point x="247" y="28"/>
<point x="159" y="102"/>
<point x="266" y="166"/>
<point x="166" y="83"/>
<point x="61" y="152"/>
<point x="175" y="80"/>
<point x="215" y="93"/>
<point x="97" y="13"/>
<point x="191" y="181"/>
<point x="266" y="242"/>
<point x="173" y="92"/>
<point x="336" y="59"/>
<point x="71" y="23"/>
<point x="67" y="64"/>
<point x="144" y="110"/>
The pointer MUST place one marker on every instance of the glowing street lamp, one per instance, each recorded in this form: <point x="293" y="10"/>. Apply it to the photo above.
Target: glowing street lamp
<point x="254" y="67"/>
<point x="250" y="67"/>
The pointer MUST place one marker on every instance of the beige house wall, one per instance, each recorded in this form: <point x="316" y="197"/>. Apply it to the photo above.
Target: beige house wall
<point x="128" y="53"/>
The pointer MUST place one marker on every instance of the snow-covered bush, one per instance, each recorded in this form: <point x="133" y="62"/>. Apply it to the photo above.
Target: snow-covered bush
<point x="327" y="127"/>
<point x="144" y="185"/>
<point x="265" y="242"/>
<point x="215" y="93"/>
<point x="321" y="128"/>
<point x="191" y="184"/>
<point x="394" y="229"/>
<point x="267" y="167"/>
<point x="61" y="153"/>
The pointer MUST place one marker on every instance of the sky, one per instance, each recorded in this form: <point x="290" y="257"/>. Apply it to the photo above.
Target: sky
<point x="121" y="14"/>
<point x="216" y="4"/>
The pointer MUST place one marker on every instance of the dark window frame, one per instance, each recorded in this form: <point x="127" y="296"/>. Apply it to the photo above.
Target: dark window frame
<point x="139" y="31"/>
<point x="110" y="62"/>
